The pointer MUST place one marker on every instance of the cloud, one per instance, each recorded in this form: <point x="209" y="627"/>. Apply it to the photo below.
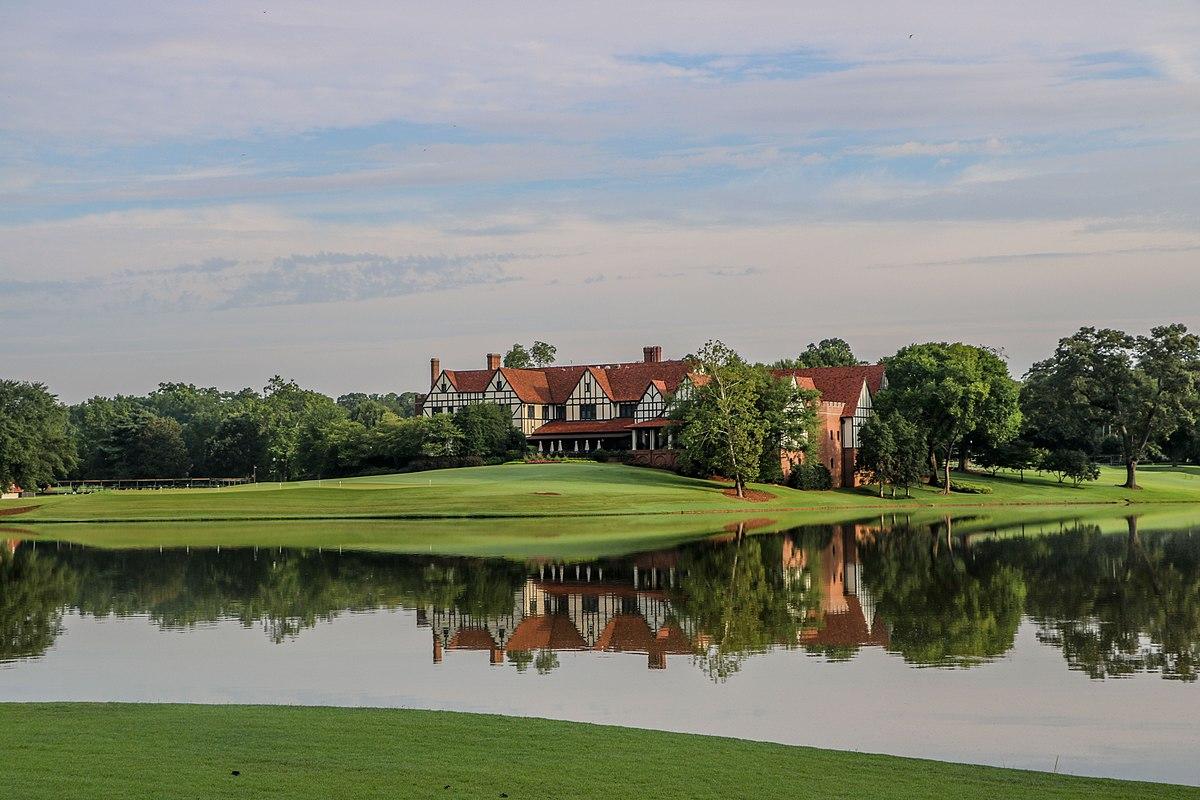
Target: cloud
<point x="223" y="284"/>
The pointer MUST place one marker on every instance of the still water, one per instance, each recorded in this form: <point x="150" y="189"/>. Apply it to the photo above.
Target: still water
<point x="1076" y="644"/>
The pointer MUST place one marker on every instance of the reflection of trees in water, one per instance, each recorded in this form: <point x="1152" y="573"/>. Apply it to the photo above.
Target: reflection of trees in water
<point x="738" y="594"/>
<point x="943" y="607"/>
<point x="1115" y="605"/>
<point x="34" y="591"/>
<point x="286" y="591"/>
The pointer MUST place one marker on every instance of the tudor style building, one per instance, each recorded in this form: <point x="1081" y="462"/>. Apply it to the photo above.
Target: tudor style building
<point x="623" y="406"/>
<point x="573" y="408"/>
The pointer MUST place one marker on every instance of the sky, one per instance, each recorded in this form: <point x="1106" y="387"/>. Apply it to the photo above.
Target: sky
<point x="217" y="192"/>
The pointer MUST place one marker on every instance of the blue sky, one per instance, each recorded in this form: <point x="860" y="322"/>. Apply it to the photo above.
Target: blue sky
<point x="217" y="192"/>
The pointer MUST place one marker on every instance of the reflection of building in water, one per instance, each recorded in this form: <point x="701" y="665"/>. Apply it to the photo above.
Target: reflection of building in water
<point x="847" y="615"/>
<point x="627" y="608"/>
<point x="619" y="609"/>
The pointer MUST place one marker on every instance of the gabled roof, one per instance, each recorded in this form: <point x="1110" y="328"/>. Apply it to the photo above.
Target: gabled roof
<point x="469" y="380"/>
<point x="841" y="384"/>
<point x="623" y="382"/>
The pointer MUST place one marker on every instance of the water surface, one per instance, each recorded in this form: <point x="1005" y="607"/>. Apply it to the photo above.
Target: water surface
<point x="1075" y="641"/>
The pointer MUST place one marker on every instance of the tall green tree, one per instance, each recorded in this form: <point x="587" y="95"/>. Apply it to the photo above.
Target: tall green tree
<point x="35" y="444"/>
<point x="790" y="422"/>
<point x="826" y="353"/>
<point x="487" y="430"/>
<point x="722" y="430"/>
<point x="538" y="354"/>
<point x="956" y="394"/>
<point x="1142" y="388"/>
<point x="442" y="437"/>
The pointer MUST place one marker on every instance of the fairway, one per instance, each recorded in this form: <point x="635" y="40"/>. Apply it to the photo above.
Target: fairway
<point x="153" y="751"/>
<point x="554" y="490"/>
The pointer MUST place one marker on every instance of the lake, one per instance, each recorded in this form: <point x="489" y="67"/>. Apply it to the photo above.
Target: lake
<point x="1069" y="644"/>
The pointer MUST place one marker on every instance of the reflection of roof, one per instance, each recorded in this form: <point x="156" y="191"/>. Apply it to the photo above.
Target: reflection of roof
<point x="626" y="633"/>
<point x="553" y="632"/>
<point x="670" y="638"/>
<point x="846" y="629"/>
<point x="472" y="639"/>
<point x="841" y="384"/>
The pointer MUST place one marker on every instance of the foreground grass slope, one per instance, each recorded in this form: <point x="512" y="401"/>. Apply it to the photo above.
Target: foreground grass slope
<point x="551" y="490"/>
<point x="155" y="751"/>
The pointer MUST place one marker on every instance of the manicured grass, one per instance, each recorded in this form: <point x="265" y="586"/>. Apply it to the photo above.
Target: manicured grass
<point x="155" y="751"/>
<point x="584" y="538"/>
<point x="556" y="490"/>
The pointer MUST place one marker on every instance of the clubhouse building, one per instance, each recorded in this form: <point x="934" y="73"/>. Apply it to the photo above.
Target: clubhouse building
<point x="624" y="405"/>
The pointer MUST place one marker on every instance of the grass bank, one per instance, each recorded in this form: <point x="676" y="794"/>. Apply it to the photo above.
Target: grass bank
<point x="583" y="538"/>
<point x="154" y="751"/>
<point x="558" y="490"/>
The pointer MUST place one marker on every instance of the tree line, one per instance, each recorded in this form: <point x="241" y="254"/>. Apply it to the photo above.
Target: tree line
<point x="284" y="432"/>
<point x="1102" y="394"/>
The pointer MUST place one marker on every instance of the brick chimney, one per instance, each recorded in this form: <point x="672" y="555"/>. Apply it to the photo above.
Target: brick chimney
<point x="435" y="369"/>
<point x="493" y="361"/>
<point x="652" y="354"/>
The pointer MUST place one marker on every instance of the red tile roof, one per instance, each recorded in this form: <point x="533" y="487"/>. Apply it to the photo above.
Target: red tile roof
<point x="623" y="382"/>
<point x="840" y="384"/>
<point x="571" y="427"/>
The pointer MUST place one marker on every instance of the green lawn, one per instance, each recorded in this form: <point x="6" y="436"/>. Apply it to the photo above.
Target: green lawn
<point x="555" y="490"/>
<point x="155" y="751"/>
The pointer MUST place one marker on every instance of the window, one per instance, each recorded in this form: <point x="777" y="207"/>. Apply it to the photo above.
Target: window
<point x="591" y="603"/>
<point x="627" y="410"/>
<point x="532" y="412"/>
<point x="545" y="412"/>
<point x="587" y="411"/>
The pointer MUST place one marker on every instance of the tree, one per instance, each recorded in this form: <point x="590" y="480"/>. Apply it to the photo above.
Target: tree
<point x="1141" y="387"/>
<point x="369" y="413"/>
<point x="876" y="454"/>
<point x="442" y="437"/>
<point x="141" y="444"/>
<point x="538" y="354"/>
<point x="1018" y="455"/>
<point x="35" y="444"/>
<point x="1073" y="464"/>
<point x="238" y="445"/>
<point x="722" y="430"/>
<point x="789" y="417"/>
<point x="518" y="357"/>
<point x="487" y="430"/>
<point x="952" y="392"/>
<point x="543" y="354"/>
<point x="892" y="450"/>
<point x="828" y="353"/>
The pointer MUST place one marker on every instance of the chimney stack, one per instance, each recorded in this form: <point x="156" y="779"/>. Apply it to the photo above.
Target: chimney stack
<point x="652" y="354"/>
<point x="493" y="361"/>
<point x="435" y="369"/>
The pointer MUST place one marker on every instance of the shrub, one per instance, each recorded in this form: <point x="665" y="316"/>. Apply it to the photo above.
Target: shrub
<point x="810" y="476"/>
<point x="444" y="462"/>
<point x="602" y="455"/>
<point x="962" y="487"/>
